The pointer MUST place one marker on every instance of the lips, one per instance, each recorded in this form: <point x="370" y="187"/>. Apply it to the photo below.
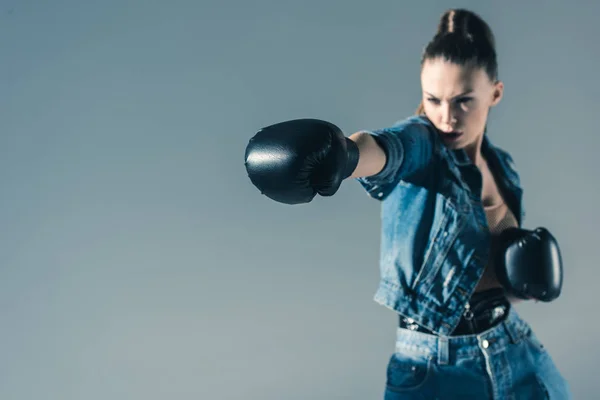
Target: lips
<point x="451" y="136"/>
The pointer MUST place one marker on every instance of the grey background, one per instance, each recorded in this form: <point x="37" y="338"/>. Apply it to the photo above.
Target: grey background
<point x="137" y="261"/>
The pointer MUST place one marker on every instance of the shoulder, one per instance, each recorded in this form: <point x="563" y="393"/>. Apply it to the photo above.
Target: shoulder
<point x="413" y="120"/>
<point x="416" y="128"/>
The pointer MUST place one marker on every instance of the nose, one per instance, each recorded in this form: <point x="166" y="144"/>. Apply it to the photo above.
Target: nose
<point x="448" y="121"/>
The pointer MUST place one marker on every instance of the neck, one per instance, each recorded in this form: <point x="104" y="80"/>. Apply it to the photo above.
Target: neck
<point x="473" y="151"/>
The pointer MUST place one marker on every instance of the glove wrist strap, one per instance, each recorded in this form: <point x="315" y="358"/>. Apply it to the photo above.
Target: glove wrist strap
<point x="352" y="160"/>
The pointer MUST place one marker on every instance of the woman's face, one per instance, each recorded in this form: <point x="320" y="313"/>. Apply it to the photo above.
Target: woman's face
<point x="457" y="100"/>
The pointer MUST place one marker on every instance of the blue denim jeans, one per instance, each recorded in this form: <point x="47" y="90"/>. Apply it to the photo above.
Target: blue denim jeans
<point x="505" y="362"/>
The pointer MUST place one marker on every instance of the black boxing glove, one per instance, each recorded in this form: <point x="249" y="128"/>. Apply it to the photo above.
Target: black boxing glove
<point x="290" y="162"/>
<point x="529" y="264"/>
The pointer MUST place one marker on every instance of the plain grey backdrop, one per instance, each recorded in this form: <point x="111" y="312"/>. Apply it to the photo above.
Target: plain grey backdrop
<point x="137" y="261"/>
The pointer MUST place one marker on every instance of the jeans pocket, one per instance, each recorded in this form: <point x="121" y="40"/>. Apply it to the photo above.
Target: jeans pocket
<point x="407" y="371"/>
<point x="550" y="382"/>
<point x="544" y="394"/>
<point x="537" y="346"/>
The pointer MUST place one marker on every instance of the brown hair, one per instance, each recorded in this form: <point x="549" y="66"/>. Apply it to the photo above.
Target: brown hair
<point x="463" y="38"/>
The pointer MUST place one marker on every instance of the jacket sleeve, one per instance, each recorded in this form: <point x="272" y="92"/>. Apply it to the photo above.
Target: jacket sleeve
<point x="409" y="148"/>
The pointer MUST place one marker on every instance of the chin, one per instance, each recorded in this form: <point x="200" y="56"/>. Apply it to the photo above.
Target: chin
<point x="459" y="144"/>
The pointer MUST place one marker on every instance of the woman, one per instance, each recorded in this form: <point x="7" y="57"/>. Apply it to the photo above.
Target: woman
<point x="453" y="256"/>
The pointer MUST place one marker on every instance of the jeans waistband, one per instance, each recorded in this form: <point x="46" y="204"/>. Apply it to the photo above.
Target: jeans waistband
<point x="446" y="349"/>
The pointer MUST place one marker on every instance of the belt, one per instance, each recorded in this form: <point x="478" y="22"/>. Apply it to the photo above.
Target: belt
<point x="485" y="310"/>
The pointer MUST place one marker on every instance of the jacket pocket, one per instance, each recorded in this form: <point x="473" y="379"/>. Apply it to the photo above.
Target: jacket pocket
<point x="435" y="273"/>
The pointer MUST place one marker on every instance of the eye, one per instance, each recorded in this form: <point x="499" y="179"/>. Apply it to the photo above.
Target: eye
<point x="464" y="100"/>
<point x="433" y="101"/>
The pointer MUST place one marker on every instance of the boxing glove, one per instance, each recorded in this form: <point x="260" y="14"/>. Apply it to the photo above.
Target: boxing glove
<point x="290" y="162"/>
<point x="529" y="264"/>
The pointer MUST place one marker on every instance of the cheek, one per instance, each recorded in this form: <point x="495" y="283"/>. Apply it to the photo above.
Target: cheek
<point x="476" y="117"/>
<point x="431" y="111"/>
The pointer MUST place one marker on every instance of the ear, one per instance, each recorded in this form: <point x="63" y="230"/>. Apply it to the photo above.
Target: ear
<point x="497" y="93"/>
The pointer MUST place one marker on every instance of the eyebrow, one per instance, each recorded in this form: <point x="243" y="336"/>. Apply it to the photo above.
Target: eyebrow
<point x="458" y="95"/>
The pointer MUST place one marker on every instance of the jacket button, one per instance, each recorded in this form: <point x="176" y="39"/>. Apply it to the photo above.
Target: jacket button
<point x="485" y="344"/>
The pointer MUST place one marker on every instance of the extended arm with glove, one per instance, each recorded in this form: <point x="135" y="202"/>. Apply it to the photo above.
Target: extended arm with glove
<point x="293" y="161"/>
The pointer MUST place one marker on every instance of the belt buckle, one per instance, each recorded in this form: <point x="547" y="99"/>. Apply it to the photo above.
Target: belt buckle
<point x="411" y="324"/>
<point x="493" y="317"/>
<point x="498" y="312"/>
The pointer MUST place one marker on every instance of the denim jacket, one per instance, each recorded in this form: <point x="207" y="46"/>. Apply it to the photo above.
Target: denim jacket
<point x="435" y="238"/>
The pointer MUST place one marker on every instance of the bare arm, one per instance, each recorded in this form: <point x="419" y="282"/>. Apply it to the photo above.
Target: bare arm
<point x="371" y="159"/>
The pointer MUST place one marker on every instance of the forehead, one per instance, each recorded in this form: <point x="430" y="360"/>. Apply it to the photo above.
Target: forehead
<point x="443" y="79"/>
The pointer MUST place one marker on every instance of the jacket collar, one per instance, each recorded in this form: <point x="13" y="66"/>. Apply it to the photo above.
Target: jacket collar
<point x="487" y="149"/>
